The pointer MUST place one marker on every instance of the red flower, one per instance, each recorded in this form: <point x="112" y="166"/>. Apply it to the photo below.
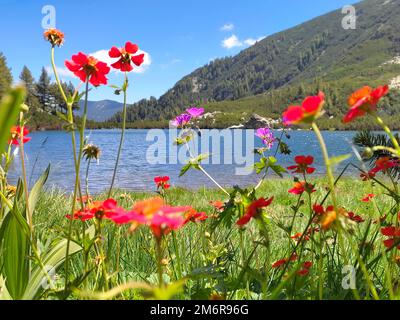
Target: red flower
<point x="282" y="262"/>
<point x="318" y="209"/>
<point x="194" y="216"/>
<point x="384" y="164"/>
<point x="394" y="237"/>
<point x="126" y="56"/>
<point x="301" y="187"/>
<point x="98" y="209"/>
<point x="303" y="163"/>
<point x="365" y="176"/>
<point x="162" y="182"/>
<point x="279" y="263"/>
<point x="19" y="135"/>
<point x="88" y="68"/>
<point x="368" y="197"/>
<point x="299" y="235"/>
<point x="353" y="217"/>
<point x="307" y="112"/>
<point x="306" y="269"/>
<point x="253" y="210"/>
<point x="364" y="100"/>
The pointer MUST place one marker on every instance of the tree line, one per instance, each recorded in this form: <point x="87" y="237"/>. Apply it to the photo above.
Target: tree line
<point x="42" y="95"/>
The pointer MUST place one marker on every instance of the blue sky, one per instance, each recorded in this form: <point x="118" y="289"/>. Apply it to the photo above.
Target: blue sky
<point x="179" y="35"/>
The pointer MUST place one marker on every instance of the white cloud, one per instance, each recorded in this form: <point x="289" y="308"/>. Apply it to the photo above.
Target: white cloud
<point x="232" y="42"/>
<point x="62" y="72"/>
<point x="252" y="42"/>
<point x="227" y="27"/>
<point x="102" y="55"/>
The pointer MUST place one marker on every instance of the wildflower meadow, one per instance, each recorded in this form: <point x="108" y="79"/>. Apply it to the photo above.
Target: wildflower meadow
<point x="294" y="235"/>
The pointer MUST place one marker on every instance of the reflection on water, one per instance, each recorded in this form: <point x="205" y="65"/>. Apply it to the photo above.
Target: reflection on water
<point x="135" y="173"/>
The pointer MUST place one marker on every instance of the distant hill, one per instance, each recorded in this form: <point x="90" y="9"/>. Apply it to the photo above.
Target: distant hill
<point x="100" y="110"/>
<point x="318" y="54"/>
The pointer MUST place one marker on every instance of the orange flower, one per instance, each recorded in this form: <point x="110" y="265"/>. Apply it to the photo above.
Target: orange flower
<point x="301" y="187"/>
<point x="160" y="217"/>
<point x="54" y="36"/>
<point x="19" y="135"/>
<point x="218" y="205"/>
<point x="328" y="219"/>
<point x="193" y="216"/>
<point x="363" y="101"/>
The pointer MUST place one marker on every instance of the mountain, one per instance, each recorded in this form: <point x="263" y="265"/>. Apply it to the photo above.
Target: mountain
<point x="100" y="110"/>
<point x="318" y="54"/>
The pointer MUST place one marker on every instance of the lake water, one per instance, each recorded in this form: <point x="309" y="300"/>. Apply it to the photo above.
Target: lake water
<point x="136" y="173"/>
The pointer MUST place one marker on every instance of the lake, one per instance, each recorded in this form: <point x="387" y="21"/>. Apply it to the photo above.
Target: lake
<point x="137" y="169"/>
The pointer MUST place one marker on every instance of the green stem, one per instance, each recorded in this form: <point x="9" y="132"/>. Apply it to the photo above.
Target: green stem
<point x="388" y="132"/>
<point x="87" y="178"/>
<point x="76" y="187"/>
<point x="56" y="76"/>
<point x="26" y="191"/>
<point x="159" y="264"/>
<point x="329" y="171"/>
<point x="121" y="142"/>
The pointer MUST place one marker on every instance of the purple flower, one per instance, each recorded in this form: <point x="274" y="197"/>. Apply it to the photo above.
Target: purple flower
<point x="266" y="135"/>
<point x="195" y="112"/>
<point x="182" y="120"/>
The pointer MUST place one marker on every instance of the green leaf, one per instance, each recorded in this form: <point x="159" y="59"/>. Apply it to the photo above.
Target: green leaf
<point x="185" y="169"/>
<point x="10" y="106"/>
<point x="169" y="291"/>
<point x="15" y="254"/>
<point x="4" y="294"/>
<point x="337" y="160"/>
<point x="51" y="259"/>
<point x="37" y="188"/>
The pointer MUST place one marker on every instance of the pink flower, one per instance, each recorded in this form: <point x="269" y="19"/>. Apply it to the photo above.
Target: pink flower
<point x="266" y="135"/>
<point x="195" y="112"/>
<point x="154" y="213"/>
<point x="182" y="120"/>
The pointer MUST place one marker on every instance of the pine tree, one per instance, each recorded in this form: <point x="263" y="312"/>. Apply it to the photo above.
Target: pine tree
<point x="31" y="94"/>
<point x="5" y="76"/>
<point x="43" y="90"/>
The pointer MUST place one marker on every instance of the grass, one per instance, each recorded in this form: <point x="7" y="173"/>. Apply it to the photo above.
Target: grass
<point x="209" y="255"/>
